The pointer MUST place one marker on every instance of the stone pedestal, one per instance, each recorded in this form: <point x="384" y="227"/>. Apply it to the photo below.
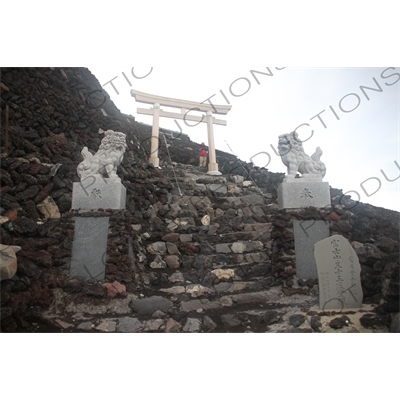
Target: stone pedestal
<point x="95" y="193"/>
<point x="306" y="235"/>
<point x="89" y="249"/>
<point x="302" y="193"/>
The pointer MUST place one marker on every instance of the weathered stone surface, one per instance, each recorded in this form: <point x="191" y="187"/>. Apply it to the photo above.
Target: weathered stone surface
<point x="339" y="323"/>
<point x="173" y="262"/>
<point x="243" y="247"/>
<point x="8" y="261"/>
<point x="213" y="229"/>
<point x="231" y="320"/>
<point x="49" y="209"/>
<point x="303" y="194"/>
<point x="339" y="274"/>
<point x="218" y="188"/>
<point x="206" y="249"/>
<point x="239" y="286"/>
<point x="96" y="290"/>
<point x="223" y="248"/>
<point x="158" y="263"/>
<point x="174" y="290"/>
<point x="89" y="248"/>
<point x="198" y="290"/>
<point x="157" y="248"/>
<point x="186" y="238"/>
<point x="253" y="199"/>
<point x="208" y="324"/>
<point x="177" y="278"/>
<point x="307" y="234"/>
<point x="238" y="248"/>
<point x="192" y="325"/>
<point x="226" y="302"/>
<point x="154" y="325"/>
<point x="246" y="298"/>
<point x="115" y="289"/>
<point x="86" y="326"/>
<point x="172" y="326"/>
<point x="269" y="317"/>
<point x="99" y="193"/>
<point x="107" y="326"/>
<point x="171" y="237"/>
<point x="64" y="325"/>
<point x="297" y="320"/>
<point x="224" y="274"/>
<point x="150" y="305"/>
<point x="129" y="325"/>
<point x="395" y="325"/>
<point x="194" y="305"/>
<point x="316" y="324"/>
<point x="371" y="321"/>
<point x="173" y="249"/>
<point x="222" y="287"/>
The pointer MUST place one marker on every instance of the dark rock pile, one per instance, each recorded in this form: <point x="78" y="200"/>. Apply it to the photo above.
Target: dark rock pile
<point x="209" y="253"/>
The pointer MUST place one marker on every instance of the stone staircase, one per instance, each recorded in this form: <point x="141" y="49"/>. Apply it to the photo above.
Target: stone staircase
<point x="210" y="270"/>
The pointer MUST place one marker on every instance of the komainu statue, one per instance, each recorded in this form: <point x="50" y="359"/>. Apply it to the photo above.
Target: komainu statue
<point x="291" y="150"/>
<point x="106" y="161"/>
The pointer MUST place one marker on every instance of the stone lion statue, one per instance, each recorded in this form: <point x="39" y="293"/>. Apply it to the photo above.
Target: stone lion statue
<point x="106" y="161"/>
<point x="291" y="150"/>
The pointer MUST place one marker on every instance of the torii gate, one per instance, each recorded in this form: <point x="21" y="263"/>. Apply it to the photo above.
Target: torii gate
<point x="186" y="107"/>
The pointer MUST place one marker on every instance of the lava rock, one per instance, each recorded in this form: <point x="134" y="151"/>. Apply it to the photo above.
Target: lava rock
<point x="192" y="326"/>
<point x="151" y="305"/>
<point x="339" y="323"/>
<point x="129" y="325"/>
<point x="96" y="291"/>
<point x="230" y="320"/>
<point x="172" y="326"/>
<point x="316" y="324"/>
<point x="269" y="318"/>
<point x="208" y="324"/>
<point x="297" y="320"/>
<point x="395" y="325"/>
<point x="371" y="321"/>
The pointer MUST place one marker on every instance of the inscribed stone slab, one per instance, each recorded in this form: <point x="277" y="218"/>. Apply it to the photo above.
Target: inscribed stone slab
<point x="339" y="273"/>
<point x="306" y="235"/>
<point x="94" y="193"/>
<point x="304" y="194"/>
<point x="89" y="249"/>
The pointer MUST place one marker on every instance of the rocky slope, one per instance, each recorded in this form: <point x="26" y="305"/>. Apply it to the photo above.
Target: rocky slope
<point x="236" y="273"/>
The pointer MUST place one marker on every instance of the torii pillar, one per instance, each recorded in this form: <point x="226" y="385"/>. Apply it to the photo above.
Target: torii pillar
<point x="212" y="166"/>
<point x="155" y="137"/>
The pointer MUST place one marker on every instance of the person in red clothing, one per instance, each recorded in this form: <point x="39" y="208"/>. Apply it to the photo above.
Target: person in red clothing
<point x="203" y="153"/>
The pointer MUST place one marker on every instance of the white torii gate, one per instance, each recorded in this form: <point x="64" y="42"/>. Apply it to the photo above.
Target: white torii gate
<point x="186" y="107"/>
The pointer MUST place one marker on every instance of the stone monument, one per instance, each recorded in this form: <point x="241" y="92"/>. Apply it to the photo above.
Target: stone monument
<point x="100" y="187"/>
<point x="306" y="191"/>
<point x="339" y="274"/>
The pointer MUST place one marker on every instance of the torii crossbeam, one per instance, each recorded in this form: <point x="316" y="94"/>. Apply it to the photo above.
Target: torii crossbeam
<point x="186" y="107"/>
